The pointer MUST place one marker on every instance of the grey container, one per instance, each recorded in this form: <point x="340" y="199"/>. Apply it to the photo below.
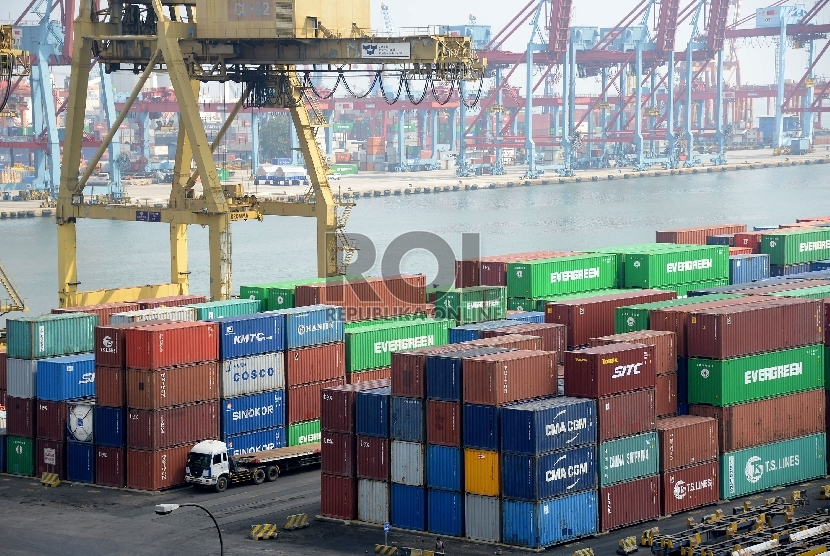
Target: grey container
<point x="21" y="378"/>
<point x="407" y="459"/>
<point x="372" y="501"/>
<point x="483" y="518"/>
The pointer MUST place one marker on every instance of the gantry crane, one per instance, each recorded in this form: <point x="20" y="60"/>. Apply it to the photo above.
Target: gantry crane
<point x="13" y="62"/>
<point x="259" y="45"/>
<point x="14" y="304"/>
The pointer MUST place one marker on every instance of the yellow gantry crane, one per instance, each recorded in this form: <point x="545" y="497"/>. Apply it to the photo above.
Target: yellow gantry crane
<point x="13" y="63"/>
<point x="15" y="303"/>
<point x="258" y="44"/>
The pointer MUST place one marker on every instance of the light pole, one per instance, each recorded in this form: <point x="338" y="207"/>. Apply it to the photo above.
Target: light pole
<point x="167" y="509"/>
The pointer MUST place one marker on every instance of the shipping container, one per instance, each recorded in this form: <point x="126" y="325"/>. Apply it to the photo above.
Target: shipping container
<point x="482" y="516"/>
<point x="315" y="364"/>
<point x="50" y="335"/>
<point x="698" y="235"/>
<point x="373" y="501"/>
<point x="368" y="298"/>
<point x="748" y="239"/>
<point x="50" y="419"/>
<point x="686" y="441"/>
<point x="80" y="420"/>
<point x="250" y="335"/>
<point x="337" y="405"/>
<point x="625" y="414"/>
<point x="158" y="388"/>
<point x="21" y="417"/>
<point x="482" y="472"/>
<point x="472" y="304"/>
<point x="263" y="410"/>
<point x="307" y="432"/>
<point x="766" y="421"/>
<point x="338" y="496"/>
<point x="628" y="503"/>
<point x="772" y="465"/>
<point x="529" y="317"/>
<point x="748" y="268"/>
<point x="170" y="301"/>
<point x="633" y="318"/>
<point x="819" y="292"/>
<point x="467" y="273"/>
<point x="445" y="512"/>
<point x="553" y="336"/>
<point x="373" y="458"/>
<point x="535" y="477"/>
<point x="540" y="426"/>
<point x="407" y="463"/>
<point x="276" y="295"/>
<point x="372" y="412"/>
<point x="444" y="468"/>
<point x="3" y="359"/>
<point x="561" y="275"/>
<point x="549" y="522"/>
<point x="786" y="247"/>
<point x="365" y="376"/>
<point x="80" y="462"/>
<point x="408" y="507"/>
<point x="753" y="377"/>
<point x="66" y="378"/>
<point x="3" y="439"/>
<point x="157" y="470"/>
<point x="628" y="458"/>
<point x="257" y="441"/>
<point x="662" y="268"/>
<point x="409" y="369"/>
<point x="312" y="325"/>
<point x="21" y="378"/>
<point x="110" y="426"/>
<point x="666" y="395"/>
<point x="225" y="308"/>
<point x="103" y="310"/>
<point x="493" y="270"/>
<point x="371" y="347"/>
<point x="510" y="376"/>
<point x="20" y="455"/>
<point x="339" y="454"/>
<point x="664" y="342"/>
<point x="110" y="342"/>
<point x="163" y="428"/>
<point x="110" y="386"/>
<point x="481" y="426"/>
<point x="252" y="374"/>
<point x="303" y="402"/>
<point x="541" y="303"/>
<point x="721" y="239"/>
<point x="443" y="422"/>
<point x="444" y="372"/>
<point x="690" y="487"/>
<point x="177" y="313"/>
<point x="609" y="369"/>
<point x="110" y="466"/>
<point x="167" y="345"/>
<point x="50" y="457"/>
<point x="468" y="332"/>
<point x="406" y="420"/>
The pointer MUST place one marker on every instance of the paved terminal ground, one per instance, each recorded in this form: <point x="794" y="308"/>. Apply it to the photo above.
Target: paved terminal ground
<point x="90" y="520"/>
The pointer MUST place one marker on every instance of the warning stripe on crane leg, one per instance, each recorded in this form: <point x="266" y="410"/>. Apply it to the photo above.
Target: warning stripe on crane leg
<point x="264" y="532"/>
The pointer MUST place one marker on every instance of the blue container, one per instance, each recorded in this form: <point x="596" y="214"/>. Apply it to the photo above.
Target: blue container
<point x="406" y="419"/>
<point x="721" y="239"/>
<point x="528" y="316"/>
<point x="444" y="372"/>
<point x="481" y="426"/>
<point x="817" y="266"/>
<point x="250" y="335"/>
<point x="467" y="332"/>
<point x="541" y="426"/>
<point x="682" y="409"/>
<point x="789" y="269"/>
<point x="445" y="468"/>
<point x="553" y="474"/>
<point x="748" y="268"/>
<point x="3" y="453"/>
<point x="549" y="522"/>
<point x="80" y="462"/>
<point x="263" y="410"/>
<point x="110" y="426"/>
<point x="764" y="228"/>
<point x="312" y="325"/>
<point x="445" y="512"/>
<point x="258" y="441"/>
<point x="408" y="507"/>
<point x="66" y="378"/>
<point x="372" y="412"/>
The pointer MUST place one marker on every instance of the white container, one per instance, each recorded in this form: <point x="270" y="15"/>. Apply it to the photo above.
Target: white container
<point x="373" y="501"/>
<point x="407" y="459"/>
<point x="162" y="313"/>
<point x="21" y="378"/>
<point x="249" y="375"/>
<point x="79" y="421"/>
<point x="483" y="518"/>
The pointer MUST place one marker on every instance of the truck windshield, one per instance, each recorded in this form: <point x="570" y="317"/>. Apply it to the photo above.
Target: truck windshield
<point x="201" y="461"/>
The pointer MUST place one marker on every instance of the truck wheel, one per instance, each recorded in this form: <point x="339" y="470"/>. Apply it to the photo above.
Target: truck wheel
<point x="221" y="484"/>
<point x="271" y="473"/>
<point x="259" y="476"/>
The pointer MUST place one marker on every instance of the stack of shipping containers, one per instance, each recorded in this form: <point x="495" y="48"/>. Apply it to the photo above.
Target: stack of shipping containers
<point x="3" y="436"/>
<point x="794" y="250"/>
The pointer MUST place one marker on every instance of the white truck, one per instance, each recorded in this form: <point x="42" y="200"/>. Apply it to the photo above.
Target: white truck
<point x="208" y="464"/>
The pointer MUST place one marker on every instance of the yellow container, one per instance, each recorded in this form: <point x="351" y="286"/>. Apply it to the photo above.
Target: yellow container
<point x="481" y="472"/>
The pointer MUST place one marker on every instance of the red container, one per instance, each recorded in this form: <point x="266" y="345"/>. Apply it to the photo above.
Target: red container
<point x="315" y="364"/>
<point x="337" y="404"/>
<point x="172" y="386"/>
<point x="740" y="251"/>
<point x="553" y="335"/>
<point x="171" y="301"/>
<point x="51" y="420"/>
<point x="628" y="503"/>
<point x="509" y="376"/>
<point x="767" y="421"/>
<point x="50" y="457"/>
<point x="664" y="342"/>
<point x="666" y="392"/>
<point x="509" y="341"/>
<point x="373" y="458"/>
<point x="751" y="240"/>
<point x="163" y="428"/>
<point x="110" y="346"/>
<point x="338" y="496"/>
<point x="467" y="273"/>
<point x="104" y="310"/>
<point x="2" y="369"/>
<point x="593" y="317"/>
<point x="698" y="235"/>
<point x="691" y="487"/>
<point x="3" y="398"/>
<point x="157" y="470"/>
<point x="369" y="298"/>
<point x="625" y="414"/>
<point x="110" y="386"/>
<point x="169" y="345"/>
<point x="610" y="369"/>
<point x="443" y="423"/>
<point x="303" y="402"/>
<point x="110" y="467"/>
<point x="364" y="376"/>
<point x="338" y="453"/>
<point x="409" y="369"/>
<point x="493" y="270"/>
<point x="765" y="326"/>
<point x="21" y="417"/>
<point x="687" y="440"/>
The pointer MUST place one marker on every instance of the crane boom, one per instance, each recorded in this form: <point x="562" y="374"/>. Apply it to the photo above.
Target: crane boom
<point x="13" y="63"/>
<point x="16" y="302"/>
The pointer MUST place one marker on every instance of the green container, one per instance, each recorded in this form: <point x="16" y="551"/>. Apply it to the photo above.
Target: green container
<point x="20" y="456"/>
<point x="772" y="465"/>
<point x="388" y="320"/>
<point x="471" y="305"/>
<point x="684" y="289"/>
<point x="621" y="253"/>
<point x="307" y="432"/>
<point x="754" y="377"/>
<point x="698" y="263"/>
<point x="51" y="335"/>
<point x="628" y="458"/>
<point x="636" y="317"/>
<point x="561" y="275"/>
<point x="371" y="347"/>
<point x="540" y="303"/>
<point x="819" y="292"/>
<point x="227" y="308"/>
<point x="345" y="169"/>
<point x="521" y="304"/>
<point x="280" y="295"/>
<point x="796" y="246"/>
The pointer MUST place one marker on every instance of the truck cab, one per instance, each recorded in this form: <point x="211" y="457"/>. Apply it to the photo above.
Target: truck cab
<point x="207" y="462"/>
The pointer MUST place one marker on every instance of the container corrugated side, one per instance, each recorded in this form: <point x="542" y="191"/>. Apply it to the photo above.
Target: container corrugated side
<point x="253" y="412"/>
<point x="168" y="345"/>
<point x="252" y="374"/>
<point x="315" y="364"/>
<point x="561" y="275"/>
<point x="553" y="474"/>
<point x="110" y="466"/>
<point x="796" y="246"/>
<point x="337" y="404"/>
<point x="307" y="432"/>
<point x="21" y="380"/>
<point x="549" y="522"/>
<point x="609" y="369"/>
<point x="157" y="470"/>
<point x="50" y="457"/>
<point x="690" y="487"/>
<point x="481" y="426"/>
<point x="250" y="335"/>
<point x="407" y="463"/>
<point x="664" y="342"/>
<point x="312" y="325"/>
<point x="445" y="512"/>
<point x="66" y="378"/>
<point x="80" y="462"/>
<point x="162" y="313"/>
<point x="482" y="516"/>
<point x="510" y="376"/>
<point x="164" y="428"/>
<point x="628" y="458"/>
<point x="302" y="403"/>
<point x="159" y="388"/>
<point x="338" y="496"/>
<point x="482" y="473"/>
<point x="373" y="501"/>
<point x="372" y="412"/>
<point x="409" y="507"/>
<point x="50" y="419"/>
<point x="626" y="414"/>
<point x="338" y="454"/>
<point x="444" y="468"/>
<point x="772" y="465"/>
<point x="748" y="268"/>
<point x="20" y="455"/>
<point x="103" y="310"/>
<point x="633" y="318"/>
<point x="110" y="426"/>
<point x="693" y="264"/>
<point x="257" y="441"/>
<point x="546" y="425"/>
<point x="627" y="503"/>
<point x="406" y="420"/>
<point x="21" y="417"/>
<point x="686" y="440"/>
<point x="50" y="335"/>
<point x="373" y="458"/>
<point x="225" y="308"/>
<point x="371" y="347"/>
